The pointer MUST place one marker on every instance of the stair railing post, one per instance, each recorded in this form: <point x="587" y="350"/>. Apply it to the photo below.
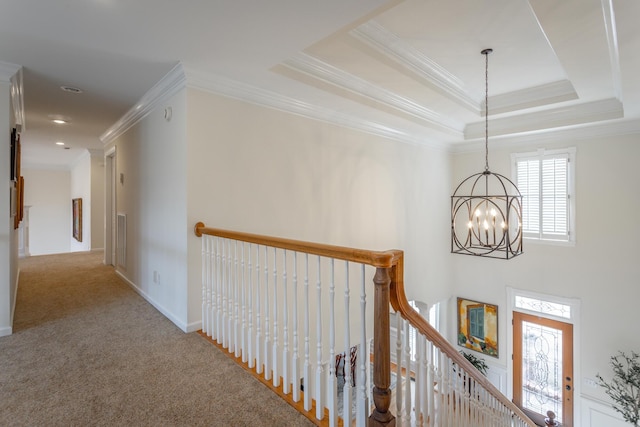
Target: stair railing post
<point x="382" y="352"/>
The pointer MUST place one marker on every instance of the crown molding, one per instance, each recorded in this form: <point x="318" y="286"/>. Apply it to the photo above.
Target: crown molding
<point x="254" y="95"/>
<point x="597" y="130"/>
<point x="323" y="71"/>
<point x="7" y="70"/>
<point x="606" y="109"/>
<point x="12" y="73"/>
<point x="169" y="85"/>
<point x="17" y="99"/>
<point x="401" y="52"/>
<point x="536" y="96"/>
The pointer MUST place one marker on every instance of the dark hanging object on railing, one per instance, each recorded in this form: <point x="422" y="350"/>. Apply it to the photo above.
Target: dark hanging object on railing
<point x="486" y="208"/>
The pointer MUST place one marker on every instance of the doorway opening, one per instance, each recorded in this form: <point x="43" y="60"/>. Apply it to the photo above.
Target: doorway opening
<point x="543" y="340"/>
<point x="110" y="207"/>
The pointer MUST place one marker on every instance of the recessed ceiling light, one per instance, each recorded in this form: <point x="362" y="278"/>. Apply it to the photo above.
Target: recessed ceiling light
<point x="59" y="143"/>
<point x="59" y="121"/>
<point x="71" y="89"/>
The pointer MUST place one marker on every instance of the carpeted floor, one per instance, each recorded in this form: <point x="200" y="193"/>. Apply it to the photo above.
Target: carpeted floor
<point x="88" y="351"/>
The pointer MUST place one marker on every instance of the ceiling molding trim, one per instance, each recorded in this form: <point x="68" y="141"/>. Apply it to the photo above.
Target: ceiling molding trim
<point x="254" y="95"/>
<point x="325" y="72"/>
<point x="612" y="41"/>
<point x="597" y="130"/>
<point x="17" y="100"/>
<point x="393" y="47"/>
<point x="7" y="70"/>
<point x="169" y="85"/>
<point x="587" y="112"/>
<point x="537" y="96"/>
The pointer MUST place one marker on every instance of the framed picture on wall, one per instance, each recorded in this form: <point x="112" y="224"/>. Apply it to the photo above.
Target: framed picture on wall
<point x="76" y="205"/>
<point x="478" y="326"/>
<point x="14" y="153"/>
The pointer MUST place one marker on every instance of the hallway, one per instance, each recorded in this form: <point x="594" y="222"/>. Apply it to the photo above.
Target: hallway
<point x="87" y="350"/>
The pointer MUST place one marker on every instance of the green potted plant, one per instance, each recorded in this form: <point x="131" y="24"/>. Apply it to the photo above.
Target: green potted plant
<point x="624" y="387"/>
<point x="477" y="362"/>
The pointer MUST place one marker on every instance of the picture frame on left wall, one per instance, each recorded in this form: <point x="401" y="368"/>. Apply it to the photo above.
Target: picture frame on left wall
<point x="76" y="205"/>
<point x="14" y="199"/>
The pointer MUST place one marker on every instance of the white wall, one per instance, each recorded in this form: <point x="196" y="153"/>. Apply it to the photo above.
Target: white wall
<point x="8" y="236"/>
<point x="601" y="270"/>
<point x="264" y="171"/>
<point x="48" y="192"/>
<point x="151" y="156"/>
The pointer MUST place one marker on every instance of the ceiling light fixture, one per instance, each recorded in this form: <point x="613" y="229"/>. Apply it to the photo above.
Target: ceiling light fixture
<point x="486" y="208"/>
<point x="59" y="121"/>
<point x="59" y="143"/>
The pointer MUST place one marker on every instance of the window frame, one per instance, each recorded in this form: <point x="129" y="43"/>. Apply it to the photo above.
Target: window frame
<point x="540" y="155"/>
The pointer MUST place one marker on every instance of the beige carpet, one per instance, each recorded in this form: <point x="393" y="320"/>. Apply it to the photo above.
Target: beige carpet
<point x="88" y="351"/>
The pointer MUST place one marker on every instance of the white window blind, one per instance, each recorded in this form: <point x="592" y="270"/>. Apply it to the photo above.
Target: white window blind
<point x="544" y="179"/>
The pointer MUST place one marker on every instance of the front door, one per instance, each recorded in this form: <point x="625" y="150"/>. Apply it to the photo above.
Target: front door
<point x="543" y="367"/>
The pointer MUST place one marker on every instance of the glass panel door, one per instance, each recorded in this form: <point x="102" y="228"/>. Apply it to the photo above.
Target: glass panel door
<point x="543" y="367"/>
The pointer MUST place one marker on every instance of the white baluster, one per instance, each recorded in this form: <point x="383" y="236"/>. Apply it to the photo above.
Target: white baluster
<point x="205" y="285"/>
<point x="347" y="416"/>
<point x="259" y="348"/>
<point x="274" y="350"/>
<point x="332" y="386"/>
<point x="362" y="413"/>
<point x="211" y="258"/>
<point x="225" y="294"/>
<point x="420" y="412"/>
<point x="319" y="368"/>
<point x="406" y="414"/>
<point x="243" y="303"/>
<point x="251" y="337"/>
<point x="399" y="402"/>
<point x="430" y="382"/>
<point x="307" y="363"/>
<point x="286" y="381"/>
<point x="423" y="368"/>
<point x="295" y="363"/>
<point x="267" y="325"/>
<point x="219" y="291"/>
<point x="236" y="303"/>
<point x="230" y="300"/>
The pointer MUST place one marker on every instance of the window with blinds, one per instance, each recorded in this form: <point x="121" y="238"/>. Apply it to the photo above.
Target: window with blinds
<point x="545" y="180"/>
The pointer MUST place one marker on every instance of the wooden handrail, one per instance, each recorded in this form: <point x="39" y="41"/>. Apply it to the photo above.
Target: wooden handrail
<point x="400" y="304"/>
<point x="380" y="259"/>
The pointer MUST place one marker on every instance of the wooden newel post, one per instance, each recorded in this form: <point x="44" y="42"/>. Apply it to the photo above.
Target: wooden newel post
<point x="382" y="352"/>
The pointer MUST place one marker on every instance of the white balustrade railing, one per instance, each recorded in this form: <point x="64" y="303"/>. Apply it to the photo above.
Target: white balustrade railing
<point x="252" y="307"/>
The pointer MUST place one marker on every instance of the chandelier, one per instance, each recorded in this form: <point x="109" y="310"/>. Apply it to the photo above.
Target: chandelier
<point x="486" y="208"/>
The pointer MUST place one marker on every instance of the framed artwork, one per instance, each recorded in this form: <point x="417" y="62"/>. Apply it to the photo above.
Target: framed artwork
<point x="478" y="326"/>
<point x="77" y="219"/>
<point x="14" y="154"/>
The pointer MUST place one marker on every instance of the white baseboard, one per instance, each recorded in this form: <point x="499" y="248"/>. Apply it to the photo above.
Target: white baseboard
<point x="184" y="327"/>
<point x="194" y="326"/>
<point x="6" y="331"/>
<point x="15" y="297"/>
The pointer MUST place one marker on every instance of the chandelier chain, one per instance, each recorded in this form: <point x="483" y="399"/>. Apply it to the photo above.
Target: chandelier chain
<point x="486" y="109"/>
